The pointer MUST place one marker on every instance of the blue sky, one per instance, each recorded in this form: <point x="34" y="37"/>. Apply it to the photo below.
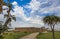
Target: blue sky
<point x="20" y="2"/>
<point x="29" y="13"/>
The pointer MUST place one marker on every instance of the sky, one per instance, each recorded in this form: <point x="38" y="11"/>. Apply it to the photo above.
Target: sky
<point x="29" y="13"/>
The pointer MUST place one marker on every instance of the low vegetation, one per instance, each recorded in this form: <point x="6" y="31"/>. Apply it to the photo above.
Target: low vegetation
<point x="48" y="35"/>
<point x="14" y="35"/>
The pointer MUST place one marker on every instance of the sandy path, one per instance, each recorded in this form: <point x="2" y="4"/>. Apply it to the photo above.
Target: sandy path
<point x="30" y="36"/>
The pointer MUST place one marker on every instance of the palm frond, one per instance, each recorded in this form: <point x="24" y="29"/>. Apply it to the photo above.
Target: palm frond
<point x="13" y="17"/>
<point x="5" y="15"/>
<point x="50" y="20"/>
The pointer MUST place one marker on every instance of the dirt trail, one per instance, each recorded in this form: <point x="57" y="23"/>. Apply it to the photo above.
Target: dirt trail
<point x="30" y="36"/>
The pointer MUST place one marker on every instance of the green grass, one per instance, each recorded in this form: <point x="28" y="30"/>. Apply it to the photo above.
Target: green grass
<point x="15" y="35"/>
<point x="48" y="35"/>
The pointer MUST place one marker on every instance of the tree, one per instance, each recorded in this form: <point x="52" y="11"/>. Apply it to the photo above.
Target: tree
<point x="51" y="20"/>
<point x="8" y="16"/>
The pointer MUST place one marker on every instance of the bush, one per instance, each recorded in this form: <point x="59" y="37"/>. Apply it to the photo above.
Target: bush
<point x="40" y="33"/>
<point x="1" y="37"/>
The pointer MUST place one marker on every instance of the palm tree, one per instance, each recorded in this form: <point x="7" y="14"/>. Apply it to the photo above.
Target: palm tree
<point x="8" y="16"/>
<point x="51" y="20"/>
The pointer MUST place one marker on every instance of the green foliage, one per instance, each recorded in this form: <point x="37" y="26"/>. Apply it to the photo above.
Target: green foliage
<point x="51" y="20"/>
<point x="8" y="16"/>
<point x="0" y="28"/>
<point x="15" y="35"/>
<point x="48" y="35"/>
<point x="1" y="37"/>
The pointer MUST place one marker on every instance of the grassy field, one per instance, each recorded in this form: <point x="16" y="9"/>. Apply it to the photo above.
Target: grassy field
<point x="15" y="35"/>
<point x="48" y="35"/>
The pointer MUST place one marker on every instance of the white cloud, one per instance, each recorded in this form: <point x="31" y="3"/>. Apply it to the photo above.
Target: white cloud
<point x="36" y="20"/>
<point x="19" y="12"/>
<point x="14" y="3"/>
<point x="4" y="11"/>
<point x="25" y="24"/>
<point x="35" y="5"/>
<point x="1" y="17"/>
<point x="50" y="10"/>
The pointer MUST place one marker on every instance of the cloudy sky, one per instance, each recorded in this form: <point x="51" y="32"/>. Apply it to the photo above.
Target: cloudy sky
<point x="29" y="13"/>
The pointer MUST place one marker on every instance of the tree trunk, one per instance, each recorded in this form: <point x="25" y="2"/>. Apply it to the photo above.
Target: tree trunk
<point x="53" y="33"/>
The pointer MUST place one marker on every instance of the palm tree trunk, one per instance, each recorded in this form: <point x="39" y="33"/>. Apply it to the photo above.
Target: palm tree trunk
<point x="53" y="33"/>
<point x="7" y="21"/>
